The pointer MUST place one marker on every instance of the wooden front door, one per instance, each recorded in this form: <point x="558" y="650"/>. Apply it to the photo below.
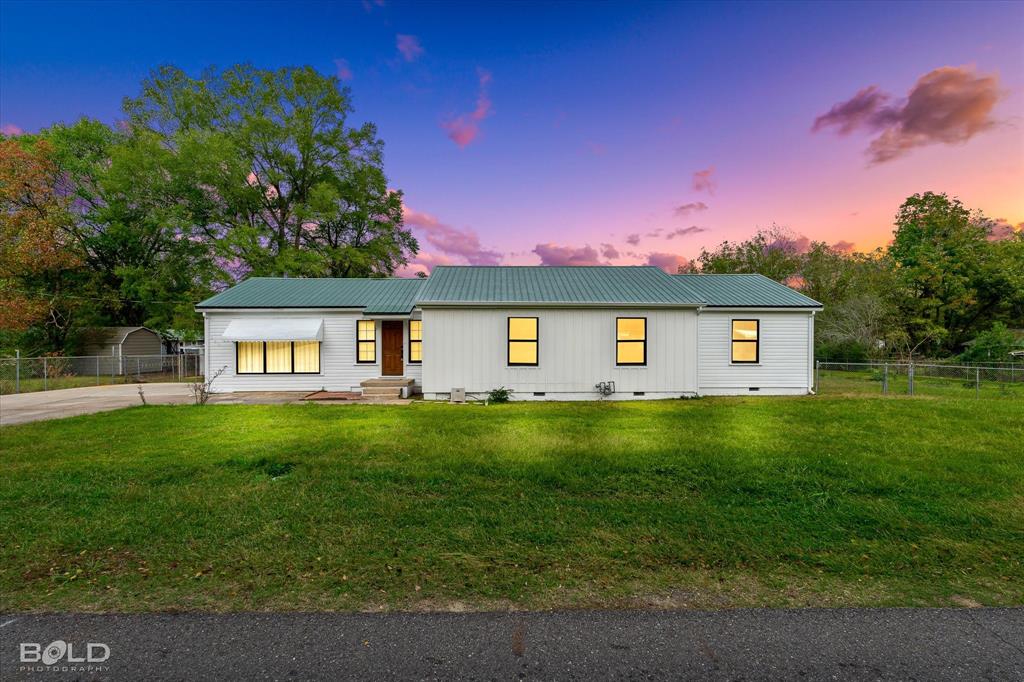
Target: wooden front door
<point x="392" y="343"/>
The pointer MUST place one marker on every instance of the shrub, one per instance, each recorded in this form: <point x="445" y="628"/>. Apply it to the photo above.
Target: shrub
<point x="499" y="395"/>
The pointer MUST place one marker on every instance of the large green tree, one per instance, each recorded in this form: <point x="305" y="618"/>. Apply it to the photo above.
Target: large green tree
<point x="283" y="183"/>
<point x="133" y="226"/>
<point x="956" y="280"/>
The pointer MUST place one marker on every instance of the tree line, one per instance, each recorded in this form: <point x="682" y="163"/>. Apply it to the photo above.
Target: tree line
<point x="239" y="172"/>
<point x="262" y="172"/>
<point x="948" y="284"/>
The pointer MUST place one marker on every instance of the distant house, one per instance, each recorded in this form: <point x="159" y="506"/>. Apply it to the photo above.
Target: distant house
<point x="547" y="333"/>
<point x="182" y="342"/>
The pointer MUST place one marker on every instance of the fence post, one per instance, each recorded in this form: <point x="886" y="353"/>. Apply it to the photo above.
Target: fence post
<point x="17" y="371"/>
<point x="977" y="382"/>
<point x="817" y="376"/>
<point x="138" y="370"/>
<point x="885" y="380"/>
<point x="44" y="372"/>
<point x="910" y="379"/>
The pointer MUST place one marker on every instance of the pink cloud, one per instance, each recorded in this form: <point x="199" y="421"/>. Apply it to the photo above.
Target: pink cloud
<point x="790" y="243"/>
<point x="843" y="246"/>
<point x="11" y="129"/>
<point x="609" y="251"/>
<point x="423" y="262"/>
<point x="553" y="254"/>
<point x="343" y="70"/>
<point x="633" y="239"/>
<point x="596" y="148"/>
<point x="450" y="240"/>
<point x="463" y="129"/>
<point x="704" y="180"/>
<point x="948" y="105"/>
<point x="1002" y="229"/>
<point x="692" y="207"/>
<point x="409" y="46"/>
<point x="669" y="262"/>
<point x="683" y="231"/>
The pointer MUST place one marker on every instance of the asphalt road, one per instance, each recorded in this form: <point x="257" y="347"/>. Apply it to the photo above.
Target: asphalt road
<point x="815" y="644"/>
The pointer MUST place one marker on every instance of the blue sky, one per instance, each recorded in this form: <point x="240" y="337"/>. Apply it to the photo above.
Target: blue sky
<point x="591" y="119"/>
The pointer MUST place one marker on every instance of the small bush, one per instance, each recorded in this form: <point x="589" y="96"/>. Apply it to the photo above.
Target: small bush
<point x="499" y="395"/>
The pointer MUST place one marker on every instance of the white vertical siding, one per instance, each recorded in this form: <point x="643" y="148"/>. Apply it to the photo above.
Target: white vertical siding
<point x="786" y="353"/>
<point x="339" y="370"/>
<point x="466" y="348"/>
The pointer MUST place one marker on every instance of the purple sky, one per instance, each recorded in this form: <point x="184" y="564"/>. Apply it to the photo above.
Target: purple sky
<point x="621" y="133"/>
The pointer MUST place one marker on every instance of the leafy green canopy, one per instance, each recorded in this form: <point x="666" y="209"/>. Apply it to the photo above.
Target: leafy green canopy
<point x="209" y="179"/>
<point x="942" y="281"/>
<point x="276" y="178"/>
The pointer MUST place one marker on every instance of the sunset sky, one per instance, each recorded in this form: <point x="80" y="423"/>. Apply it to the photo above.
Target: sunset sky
<point x="622" y="133"/>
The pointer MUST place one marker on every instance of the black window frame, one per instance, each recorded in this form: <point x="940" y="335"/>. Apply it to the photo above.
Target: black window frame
<point x="756" y="342"/>
<point x="509" y="340"/>
<point x="291" y="346"/>
<point x="374" y="342"/>
<point x="617" y="342"/>
<point x="411" y="341"/>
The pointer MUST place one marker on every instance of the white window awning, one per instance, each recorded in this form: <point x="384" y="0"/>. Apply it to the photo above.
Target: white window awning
<point x="275" y="329"/>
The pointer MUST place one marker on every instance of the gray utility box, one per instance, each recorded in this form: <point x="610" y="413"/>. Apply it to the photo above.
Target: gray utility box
<point x="458" y="395"/>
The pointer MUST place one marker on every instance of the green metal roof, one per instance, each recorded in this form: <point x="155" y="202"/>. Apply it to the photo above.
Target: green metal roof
<point x="378" y="296"/>
<point x="581" y="285"/>
<point x="542" y="285"/>
<point x="744" y="290"/>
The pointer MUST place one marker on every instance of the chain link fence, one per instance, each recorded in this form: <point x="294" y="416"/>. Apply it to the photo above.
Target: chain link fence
<point x="29" y="374"/>
<point x="1001" y="380"/>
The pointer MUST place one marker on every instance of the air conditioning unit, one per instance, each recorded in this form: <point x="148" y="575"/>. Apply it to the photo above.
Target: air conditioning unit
<point x="458" y="395"/>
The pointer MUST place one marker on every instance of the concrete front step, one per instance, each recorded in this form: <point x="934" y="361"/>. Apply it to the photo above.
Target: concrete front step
<point x="382" y="391"/>
<point x="386" y="382"/>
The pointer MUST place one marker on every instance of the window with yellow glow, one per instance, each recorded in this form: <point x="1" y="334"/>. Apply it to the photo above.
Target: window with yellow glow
<point x="279" y="357"/>
<point x="307" y="357"/>
<point x="522" y="341"/>
<point x="415" y="340"/>
<point x="249" y="357"/>
<point x="631" y="341"/>
<point x="746" y="341"/>
<point x="366" y="341"/>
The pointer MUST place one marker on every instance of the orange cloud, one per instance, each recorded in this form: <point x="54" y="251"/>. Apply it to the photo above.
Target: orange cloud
<point x="948" y="105"/>
<point x="463" y="129"/>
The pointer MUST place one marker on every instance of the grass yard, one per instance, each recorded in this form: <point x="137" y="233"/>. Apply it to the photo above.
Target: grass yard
<point x="714" y="502"/>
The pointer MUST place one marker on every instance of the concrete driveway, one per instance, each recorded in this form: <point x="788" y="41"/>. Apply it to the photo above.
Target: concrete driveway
<point x="68" y="402"/>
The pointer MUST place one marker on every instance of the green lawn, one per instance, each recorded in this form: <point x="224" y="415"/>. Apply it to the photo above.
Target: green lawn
<point x="714" y="502"/>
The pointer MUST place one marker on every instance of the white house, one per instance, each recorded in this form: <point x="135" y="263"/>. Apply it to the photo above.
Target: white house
<point x="547" y="333"/>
